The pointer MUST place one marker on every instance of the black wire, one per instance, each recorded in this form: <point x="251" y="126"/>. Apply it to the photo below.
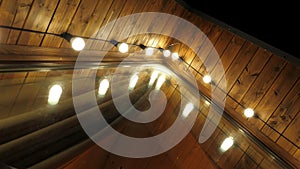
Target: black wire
<point x="113" y="41"/>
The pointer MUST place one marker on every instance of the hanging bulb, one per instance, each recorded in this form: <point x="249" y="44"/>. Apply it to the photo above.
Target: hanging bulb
<point x="166" y="53"/>
<point x="77" y="43"/>
<point x="175" y="56"/>
<point x="207" y="79"/>
<point x="149" y="51"/>
<point x="123" y="47"/>
<point x="249" y="112"/>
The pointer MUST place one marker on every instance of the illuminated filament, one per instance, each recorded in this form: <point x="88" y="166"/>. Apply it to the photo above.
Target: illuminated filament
<point x="54" y="94"/>
<point x="133" y="81"/>
<point x="187" y="109"/>
<point x="160" y="82"/>
<point x="103" y="87"/>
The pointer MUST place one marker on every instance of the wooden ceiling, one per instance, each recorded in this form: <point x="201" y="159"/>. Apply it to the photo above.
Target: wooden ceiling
<point x="256" y="76"/>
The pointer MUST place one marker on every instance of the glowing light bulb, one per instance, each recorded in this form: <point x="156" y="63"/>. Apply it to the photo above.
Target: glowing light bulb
<point x="166" y="53"/>
<point x="133" y="81"/>
<point x="187" y="109"/>
<point x="123" y="47"/>
<point x="160" y="82"/>
<point x="249" y="112"/>
<point x="227" y="143"/>
<point x="54" y="94"/>
<point x="103" y="87"/>
<point x="153" y="78"/>
<point x="206" y="79"/>
<point x="207" y="102"/>
<point x="149" y="51"/>
<point x="78" y="44"/>
<point x="175" y="56"/>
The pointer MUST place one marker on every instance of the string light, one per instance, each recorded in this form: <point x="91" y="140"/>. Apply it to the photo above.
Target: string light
<point x="123" y="47"/>
<point x="78" y="43"/>
<point x="166" y="53"/>
<point x="175" y="56"/>
<point x="249" y="112"/>
<point x="149" y="51"/>
<point x="206" y="79"/>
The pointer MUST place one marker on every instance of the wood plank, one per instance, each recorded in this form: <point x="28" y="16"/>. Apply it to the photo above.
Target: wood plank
<point x="8" y="9"/>
<point x="94" y="157"/>
<point x="267" y="141"/>
<point x="208" y="45"/>
<point x="287" y="110"/>
<point x="12" y="79"/>
<point x="287" y="145"/>
<point x="161" y="161"/>
<point x="142" y="26"/>
<point x="219" y="48"/>
<point x="171" y="7"/>
<point x="108" y="24"/>
<point x="63" y="14"/>
<point x="262" y="83"/>
<point x="197" y="61"/>
<point x="245" y="163"/>
<point x="45" y="10"/>
<point x="239" y="63"/>
<point x="297" y="155"/>
<point x="180" y="152"/>
<point x="137" y="8"/>
<point x="248" y="76"/>
<point x="255" y="155"/>
<point x="198" y="126"/>
<point x="8" y="96"/>
<point x="270" y="132"/>
<point x="231" y="157"/>
<point x="277" y="92"/>
<point x="25" y="99"/>
<point x="35" y="77"/>
<point x="80" y="19"/>
<point x="213" y="150"/>
<point x="168" y="28"/>
<point x="227" y="57"/>
<point x="19" y="20"/>
<point x="293" y="131"/>
<point x="119" y="27"/>
<point x="267" y="163"/>
<point x="196" y="160"/>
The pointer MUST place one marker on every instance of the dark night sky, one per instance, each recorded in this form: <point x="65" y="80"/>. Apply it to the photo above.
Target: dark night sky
<point x="274" y="23"/>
